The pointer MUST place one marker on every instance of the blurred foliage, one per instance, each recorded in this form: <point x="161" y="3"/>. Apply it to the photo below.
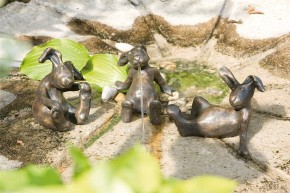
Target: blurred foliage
<point x="2" y="3"/>
<point x="80" y="162"/>
<point x="133" y="172"/>
<point x="31" y="176"/>
<point x="11" y="52"/>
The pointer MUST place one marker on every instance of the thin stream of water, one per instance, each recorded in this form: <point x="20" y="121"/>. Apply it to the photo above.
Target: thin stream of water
<point x="142" y="105"/>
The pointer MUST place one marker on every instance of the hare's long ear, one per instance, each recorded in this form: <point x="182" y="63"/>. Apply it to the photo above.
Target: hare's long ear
<point x="257" y="81"/>
<point x="228" y="77"/>
<point x="45" y="55"/>
<point x="77" y="74"/>
<point x="124" y="59"/>
<point x="143" y="47"/>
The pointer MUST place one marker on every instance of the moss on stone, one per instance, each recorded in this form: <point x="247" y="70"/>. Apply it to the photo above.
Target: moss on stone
<point x="201" y="77"/>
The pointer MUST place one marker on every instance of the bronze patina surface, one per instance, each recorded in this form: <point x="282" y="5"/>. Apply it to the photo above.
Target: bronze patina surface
<point x="209" y="120"/>
<point x="51" y="109"/>
<point x="138" y="57"/>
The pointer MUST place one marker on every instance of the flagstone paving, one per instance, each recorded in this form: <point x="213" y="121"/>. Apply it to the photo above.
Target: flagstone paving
<point x="251" y="37"/>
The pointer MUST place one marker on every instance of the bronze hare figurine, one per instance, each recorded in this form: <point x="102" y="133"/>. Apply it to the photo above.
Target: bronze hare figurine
<point x="138" y="57"/>
<point x="209" y="120"/>
<point x="51" y="109"/>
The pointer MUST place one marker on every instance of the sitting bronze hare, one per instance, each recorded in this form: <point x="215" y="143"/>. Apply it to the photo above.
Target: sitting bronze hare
<point x="209" y="120"/>
<point x="50" y="108"/>
<point x="138" y="57"/>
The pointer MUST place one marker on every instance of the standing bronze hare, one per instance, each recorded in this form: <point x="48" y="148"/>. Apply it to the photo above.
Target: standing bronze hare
<point x="209" y="120"/>
<point x="138" y="57"/>
<point x="50" y="108"/>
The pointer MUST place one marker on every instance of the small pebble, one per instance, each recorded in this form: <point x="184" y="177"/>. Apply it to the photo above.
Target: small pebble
<point x="181" y="102"/>
<point x="119" y="98"/>
<point x="167" y="65"/>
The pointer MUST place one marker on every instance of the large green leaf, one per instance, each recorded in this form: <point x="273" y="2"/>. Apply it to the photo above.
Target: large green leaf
<point x="71" y="51"/>
<point x="102" y="70"/>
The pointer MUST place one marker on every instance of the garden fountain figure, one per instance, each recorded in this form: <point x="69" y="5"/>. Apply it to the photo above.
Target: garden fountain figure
<point x="51" y="109"/>
<point x="209" y="120"/>
<point x="139" y="58"/>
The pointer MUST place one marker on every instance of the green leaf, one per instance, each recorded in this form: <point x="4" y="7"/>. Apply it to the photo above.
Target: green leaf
<point x="200" y="184"/>
<point x="139" y="170"/>
<point x="81" y="163"/>
<point x="71" y="51"/>
<point x="102" y="70"/>
<point x="30" y="176"/>
<point x="134" y="171"/>
<point x="45" y="189"/>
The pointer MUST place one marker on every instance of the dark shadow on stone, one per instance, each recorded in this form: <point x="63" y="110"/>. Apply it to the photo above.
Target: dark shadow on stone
<point x="98" y="113"/>
<point x="229" y="41"/>
<point x="11" y="1"/>
<point x="35" y="40"/>
<point x="278" y="62"/>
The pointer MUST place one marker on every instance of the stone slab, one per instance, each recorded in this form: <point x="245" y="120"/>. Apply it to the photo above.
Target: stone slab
<point x="50" y="17"/>
<point x="6" y="164"/>
<point x="194" y="156"/>
<point x="116" y="141"/>
<point x="6" y="98"/>
<point x="78" y="137"/>
<point x="120" y="138"/>
<point x="185" y="12"/>
<point x="268" y="143"/>
<point x="272" y="23"/>
<point x="33" y="19"/>
<point x="119" y="14"/>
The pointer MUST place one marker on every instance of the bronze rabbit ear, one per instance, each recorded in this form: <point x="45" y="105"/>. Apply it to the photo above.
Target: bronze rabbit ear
<point x="124" y="59"/>
<point x="228" y="77"/>
<point x="51" y="54"/>
<point x="77" y="74"/>
<point x="45" y="55"/>
<point x="257" y="81"/>
<point x="143" y="47"/>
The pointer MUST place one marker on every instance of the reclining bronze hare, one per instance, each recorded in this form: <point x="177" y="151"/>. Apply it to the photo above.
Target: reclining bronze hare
<point x="50" y="108"/>
<point x="209" y="120"/>
<point x="138" y="57"/>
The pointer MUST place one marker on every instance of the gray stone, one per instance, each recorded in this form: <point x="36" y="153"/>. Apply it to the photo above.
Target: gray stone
<point x="98" y="116"/>
<point x="33" y="19"/>
<point x="186" y="157"/>
<point x="268" y="143"/>
<point x="6" y="164"/>
<point x="6" y="98"/>
<point x="181" y="102"/>
<point x="181" y="157"/>
<point x="108" y="146"/>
